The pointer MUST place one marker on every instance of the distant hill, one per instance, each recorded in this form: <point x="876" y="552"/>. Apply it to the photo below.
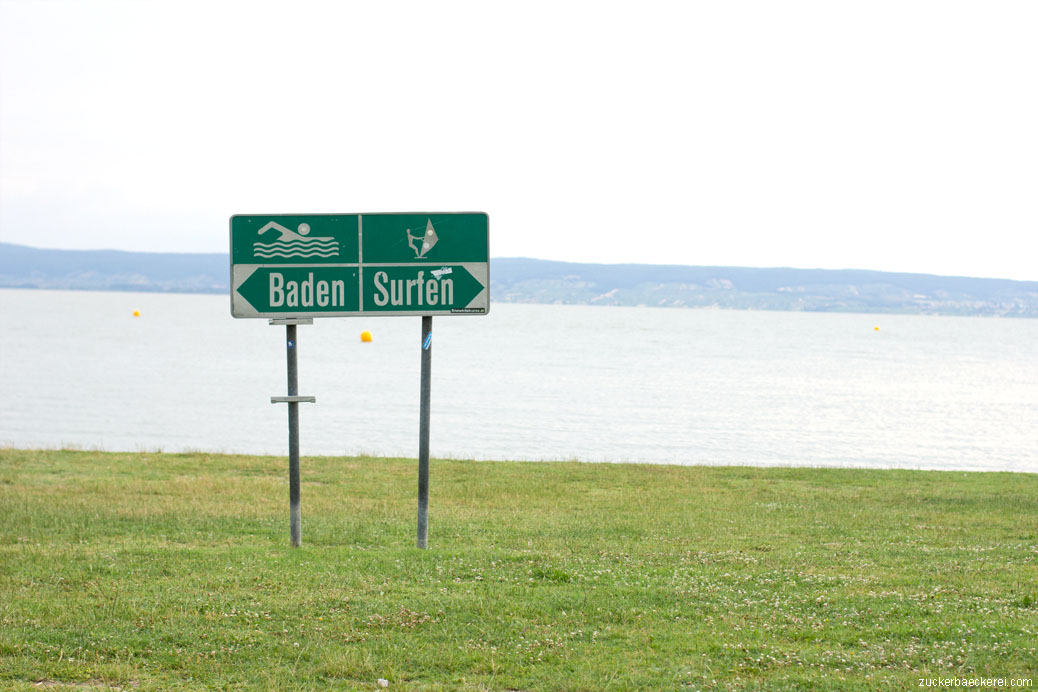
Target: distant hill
<point x="113" y="270"/>
<point x="820" y="290"/>
<point x="517" y="280"/>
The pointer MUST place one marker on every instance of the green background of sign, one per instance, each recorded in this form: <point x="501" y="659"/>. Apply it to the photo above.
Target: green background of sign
<point x="461" y="237"/>
<point x="245" y="232"/>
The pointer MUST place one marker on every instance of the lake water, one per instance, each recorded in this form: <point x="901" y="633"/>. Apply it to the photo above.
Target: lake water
<point x="538" y="382"/>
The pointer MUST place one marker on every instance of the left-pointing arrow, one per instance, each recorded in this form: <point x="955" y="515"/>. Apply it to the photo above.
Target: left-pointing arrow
<point x="301" y="290"/>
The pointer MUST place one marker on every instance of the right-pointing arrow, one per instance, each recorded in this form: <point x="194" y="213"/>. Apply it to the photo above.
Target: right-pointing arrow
<point x="422" y="289"/>
<point x="466" y="287"/>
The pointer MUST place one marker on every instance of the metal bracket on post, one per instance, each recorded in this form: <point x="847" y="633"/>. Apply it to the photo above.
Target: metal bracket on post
<point x="293" y="400"/>
<point x="286" y="321"/>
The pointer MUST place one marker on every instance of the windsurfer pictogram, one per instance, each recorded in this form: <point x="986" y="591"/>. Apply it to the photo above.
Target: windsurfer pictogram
<point x="421" y="244"/>
<point x="293" y="244"/>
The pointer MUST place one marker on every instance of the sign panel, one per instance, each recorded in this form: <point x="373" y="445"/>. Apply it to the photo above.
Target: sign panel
<point x="338" y="265"/>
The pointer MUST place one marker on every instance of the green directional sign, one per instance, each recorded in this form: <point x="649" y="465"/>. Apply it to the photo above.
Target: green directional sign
<point x="316" y="289"/>
<point x="335" y="265"/>
<point x="420" y="289"/>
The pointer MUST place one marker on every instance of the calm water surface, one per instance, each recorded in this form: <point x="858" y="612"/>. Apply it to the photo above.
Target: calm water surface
<point x="527" y="382"/>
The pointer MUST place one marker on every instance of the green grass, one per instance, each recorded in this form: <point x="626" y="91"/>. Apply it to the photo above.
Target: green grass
<point x="173" y="571"/>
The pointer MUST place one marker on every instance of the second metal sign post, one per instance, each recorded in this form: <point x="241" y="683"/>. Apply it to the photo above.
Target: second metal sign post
<point x="425" y="390"/>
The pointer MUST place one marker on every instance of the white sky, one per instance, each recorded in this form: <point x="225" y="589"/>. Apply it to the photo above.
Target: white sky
<point x="898" y="136"/>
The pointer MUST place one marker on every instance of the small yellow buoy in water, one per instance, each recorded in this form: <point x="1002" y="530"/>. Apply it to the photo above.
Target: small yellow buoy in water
<point x="136" y="313"/>
<point x="365" y="336"/>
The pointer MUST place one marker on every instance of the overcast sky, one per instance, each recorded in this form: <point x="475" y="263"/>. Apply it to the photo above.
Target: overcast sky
<point x="898" y="136"/>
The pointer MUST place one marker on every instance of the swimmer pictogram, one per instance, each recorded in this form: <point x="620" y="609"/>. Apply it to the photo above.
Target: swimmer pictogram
<point x="292" y="244"/>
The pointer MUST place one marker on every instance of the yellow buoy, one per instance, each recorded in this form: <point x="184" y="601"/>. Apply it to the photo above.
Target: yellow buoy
<point x="365" y="336"/>
<point x="136" y="313"/>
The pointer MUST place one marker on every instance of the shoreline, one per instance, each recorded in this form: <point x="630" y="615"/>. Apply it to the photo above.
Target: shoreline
<point x="462" y="459"/>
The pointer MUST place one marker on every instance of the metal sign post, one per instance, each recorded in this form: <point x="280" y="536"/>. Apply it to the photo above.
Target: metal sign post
<point x="295" y="522"/>
<point x="423" y="434"/>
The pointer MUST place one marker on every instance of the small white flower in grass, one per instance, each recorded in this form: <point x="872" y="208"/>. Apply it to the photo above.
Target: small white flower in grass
<point x="382" y="682"/>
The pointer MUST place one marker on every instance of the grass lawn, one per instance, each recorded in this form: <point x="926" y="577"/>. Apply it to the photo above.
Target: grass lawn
<point x="173" y="571"/>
